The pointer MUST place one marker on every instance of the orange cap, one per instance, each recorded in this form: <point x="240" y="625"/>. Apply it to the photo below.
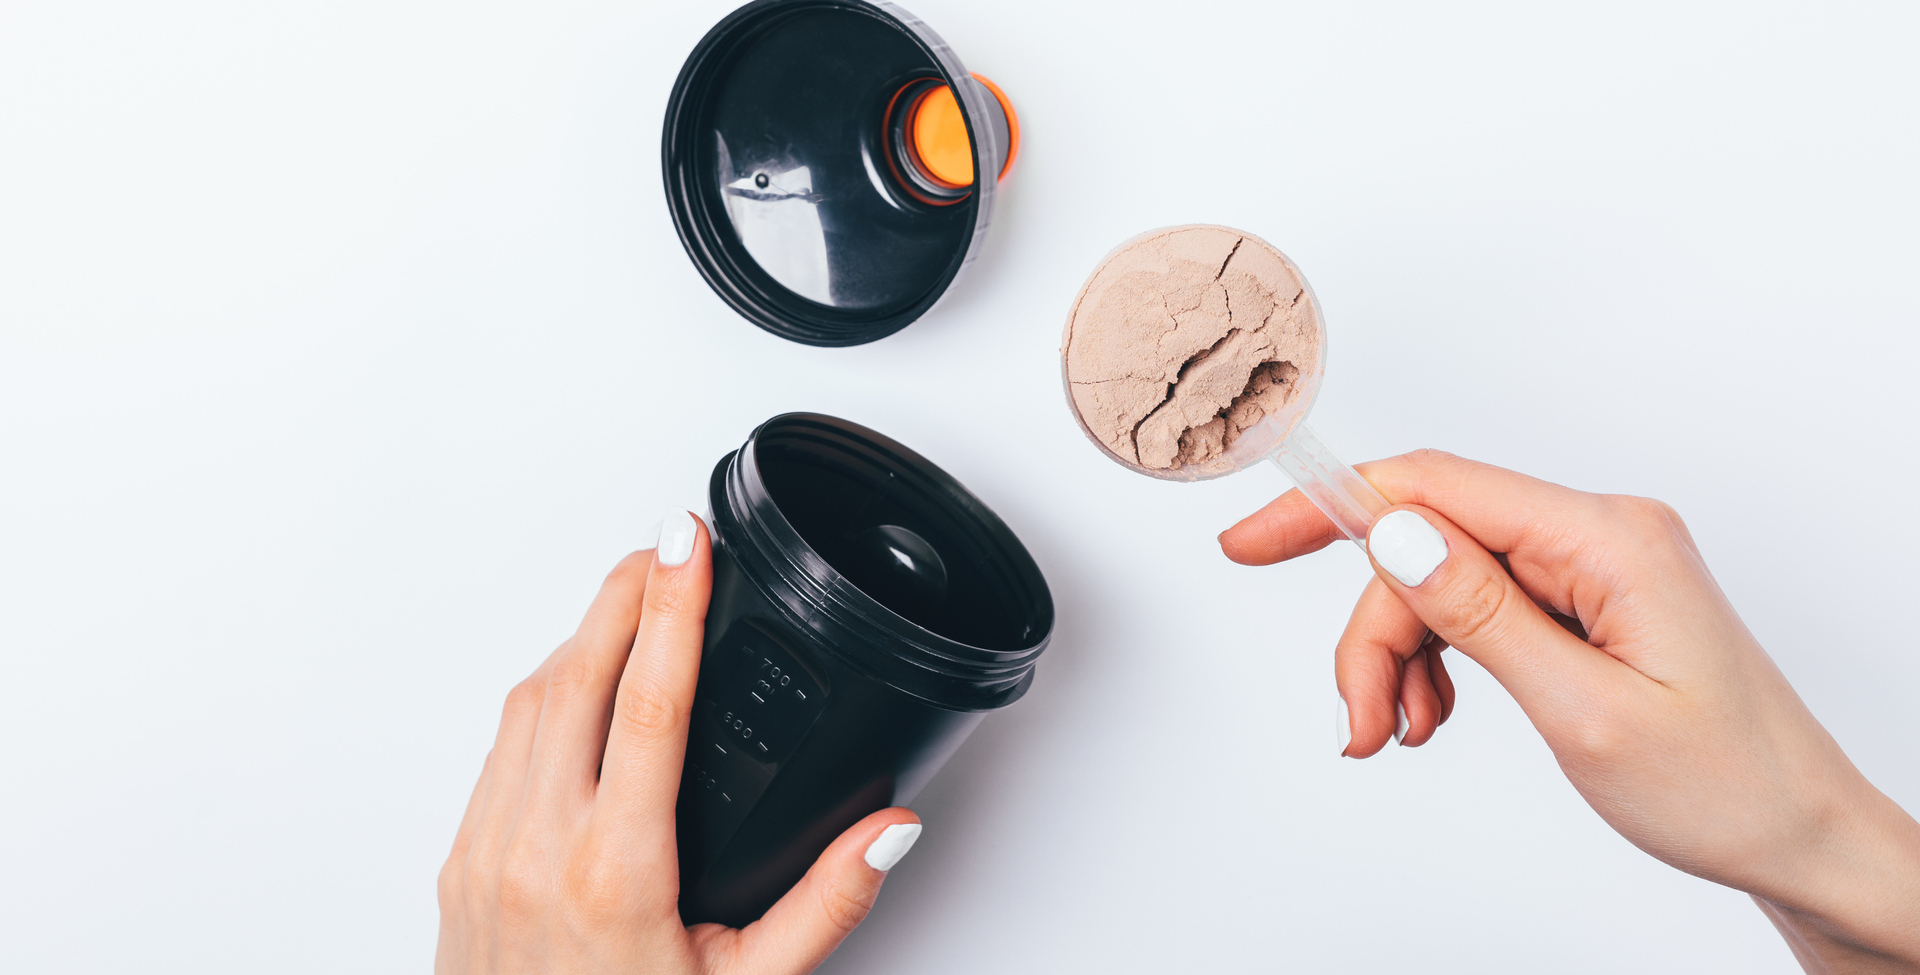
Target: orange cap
<point x="938" y="133"/>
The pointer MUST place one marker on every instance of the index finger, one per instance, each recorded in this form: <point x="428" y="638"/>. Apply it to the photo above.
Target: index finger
<point x="1501" y="509"/>
<point x="646" y="746"/>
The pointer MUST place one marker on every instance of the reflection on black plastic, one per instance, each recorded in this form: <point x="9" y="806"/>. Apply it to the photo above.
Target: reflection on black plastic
<point x="795" y="106"/>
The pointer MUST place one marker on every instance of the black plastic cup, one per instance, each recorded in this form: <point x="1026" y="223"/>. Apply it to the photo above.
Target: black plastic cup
<point x="867" y="612"/>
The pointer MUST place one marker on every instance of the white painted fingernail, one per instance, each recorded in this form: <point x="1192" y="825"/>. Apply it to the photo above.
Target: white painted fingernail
<point x="1399" y="723"/>
<point x="892" y="844"/>
<point x="1407" y="547"/>
<point x="677" y="533"/>
<point x="1345" y="727"/>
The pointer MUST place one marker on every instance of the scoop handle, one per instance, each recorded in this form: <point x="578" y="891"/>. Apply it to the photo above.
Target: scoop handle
<point x="1336" y="489"/>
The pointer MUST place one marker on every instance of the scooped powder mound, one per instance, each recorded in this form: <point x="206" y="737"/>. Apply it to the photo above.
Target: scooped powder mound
<point x="1183" y="340"/>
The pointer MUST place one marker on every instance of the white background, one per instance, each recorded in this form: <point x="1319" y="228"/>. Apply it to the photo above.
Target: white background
<point x="344" y="345"/>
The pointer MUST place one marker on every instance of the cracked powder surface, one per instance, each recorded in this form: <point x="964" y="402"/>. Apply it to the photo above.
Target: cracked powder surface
<point x="1184" y="339"/>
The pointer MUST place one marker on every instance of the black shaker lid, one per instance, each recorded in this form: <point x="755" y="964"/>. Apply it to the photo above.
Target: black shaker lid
<point x="792" y="176"/>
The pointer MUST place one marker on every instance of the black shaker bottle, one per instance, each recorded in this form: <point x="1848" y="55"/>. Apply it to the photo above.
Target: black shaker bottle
<point x="867" y="613"/>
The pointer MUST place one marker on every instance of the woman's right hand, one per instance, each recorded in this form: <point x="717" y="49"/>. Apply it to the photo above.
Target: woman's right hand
<point x="1666" y="714"/>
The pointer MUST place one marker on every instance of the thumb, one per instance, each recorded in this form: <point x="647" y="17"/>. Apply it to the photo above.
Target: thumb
<point x="1464" y="595"/>
<point x="803" y="927"/>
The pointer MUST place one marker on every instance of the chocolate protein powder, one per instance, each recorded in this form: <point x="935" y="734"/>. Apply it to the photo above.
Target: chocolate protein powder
<point x="1183" y="339"/>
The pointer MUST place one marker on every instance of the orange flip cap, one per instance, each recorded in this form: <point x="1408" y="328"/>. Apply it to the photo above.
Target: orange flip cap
<point x="939" y="135"/>
<point x="938" y="132"/>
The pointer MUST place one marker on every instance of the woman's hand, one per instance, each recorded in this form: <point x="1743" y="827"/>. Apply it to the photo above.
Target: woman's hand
<point x="1599" y="616"/>
<point x="565" y="860"/>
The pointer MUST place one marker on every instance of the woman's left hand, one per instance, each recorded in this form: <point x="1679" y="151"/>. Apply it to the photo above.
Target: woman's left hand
<point x="566" y="861"/>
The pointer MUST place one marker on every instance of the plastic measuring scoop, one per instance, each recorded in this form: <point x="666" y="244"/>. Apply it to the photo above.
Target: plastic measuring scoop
<point x="1281" y="436"/>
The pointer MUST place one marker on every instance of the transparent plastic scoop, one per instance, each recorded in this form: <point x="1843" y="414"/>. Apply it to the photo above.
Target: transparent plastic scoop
<point x="1336" y="489"/>
<point x="1281" y="436"/>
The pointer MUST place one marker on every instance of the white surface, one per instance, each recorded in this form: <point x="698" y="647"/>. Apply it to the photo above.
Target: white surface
<point x="346" y="344"/>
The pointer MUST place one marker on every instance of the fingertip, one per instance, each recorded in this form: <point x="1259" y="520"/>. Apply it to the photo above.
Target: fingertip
<point x="1358" y="751"/>
<point x="1287" y="527"/>
<point x="1406" y="546"/>
<point x="1420" y="707"/>
<point x="880" y="840"/>
<point x="680" y="582"/>
<point x="875" y="823"/>
<point x="679" y="534"/>
<point x="1233" y="542"/>
<point x="804" y="926"/>
<point x="859" y="840"/>
<point x="1362" y="732"/>
<point x="1416" y="728"/>
<point x="1442" y="681"/>
<point x="891" y="845"/>
<point x="1234" y="549"/>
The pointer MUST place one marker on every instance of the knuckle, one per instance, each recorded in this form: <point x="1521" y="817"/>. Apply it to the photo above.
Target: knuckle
<point x="1472" y="609"/>
<point x="674" y="601"/>
<point x="1644" y="530"/>
<point x="525" y="699"/>
<point x="1429" y="457"/>
<point x="630" y="572"/>
<point x="1644" y="516"/>
<point x="451" y="884"/>
<point x="520" y="891"/>
<point x="599" y="891"/>
<point x="1433" y="474"/>
<point x="1672" y="514"/>
<point x="571" y="675"/>
<point x="844" y="908"/>
<point x="647" y="713"/>
<point x="1597" y="741"/>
